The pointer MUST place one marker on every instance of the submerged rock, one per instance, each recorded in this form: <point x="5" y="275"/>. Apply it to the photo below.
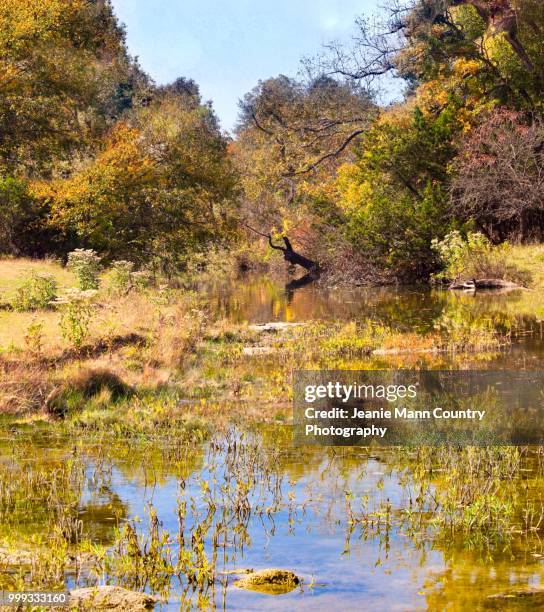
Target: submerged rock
<point x="271" y="581"/>
<point x="485" y="283"/>
<point x="110" y="598"/>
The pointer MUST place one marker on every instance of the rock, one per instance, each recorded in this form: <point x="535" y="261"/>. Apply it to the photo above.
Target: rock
<point x="110" y="598"/>
<point x="525" y="598"/>
<point x="275" y="326"/>
<point x="269" y="581"/>
<point x="11" y="558"/>
<point x="237" y="572"/>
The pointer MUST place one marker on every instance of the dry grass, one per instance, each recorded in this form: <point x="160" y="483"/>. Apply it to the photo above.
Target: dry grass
<point x="14" y="325"/>
<point x="144" y="338"/>
<point x="529" y="258"/>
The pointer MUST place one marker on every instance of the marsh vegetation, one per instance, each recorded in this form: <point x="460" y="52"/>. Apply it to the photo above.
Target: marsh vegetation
<point x="149" y="332"/>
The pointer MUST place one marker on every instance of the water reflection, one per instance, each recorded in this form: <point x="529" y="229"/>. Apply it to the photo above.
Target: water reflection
<point x="305" y="511"/>
<point x="519" y="314"/>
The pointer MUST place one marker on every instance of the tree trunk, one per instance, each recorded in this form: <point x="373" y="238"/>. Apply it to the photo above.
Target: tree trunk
<point x="290" y="255"/>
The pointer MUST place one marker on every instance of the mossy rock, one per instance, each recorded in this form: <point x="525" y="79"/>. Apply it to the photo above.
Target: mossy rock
<point x="270" y="581"/>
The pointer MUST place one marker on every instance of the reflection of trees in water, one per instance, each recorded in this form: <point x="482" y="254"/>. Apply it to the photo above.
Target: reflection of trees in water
<point x="471" y="575"/>
<point x="261" y="299"/>
<point x="101" y="515"/>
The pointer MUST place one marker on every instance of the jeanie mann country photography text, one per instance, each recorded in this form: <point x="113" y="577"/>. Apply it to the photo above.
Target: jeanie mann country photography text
<point x="431" y="407"/>
<point x="390" y="393"/>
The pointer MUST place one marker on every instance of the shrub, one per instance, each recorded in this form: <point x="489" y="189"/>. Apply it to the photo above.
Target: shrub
<point x="85" y="264"/>
<point x="120" y="276"/>
<point x="474" y="256"/>
<point x="36" y="292"/>
<point x="141" y="279"/>
<point x="77" y="312"/>
<point x="34" y="337"/>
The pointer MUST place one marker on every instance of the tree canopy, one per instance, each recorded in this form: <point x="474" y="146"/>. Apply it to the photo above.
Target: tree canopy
<point x="94" y="154"/>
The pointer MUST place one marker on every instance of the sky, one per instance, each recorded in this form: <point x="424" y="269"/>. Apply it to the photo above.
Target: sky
<point x="226" y="46"/>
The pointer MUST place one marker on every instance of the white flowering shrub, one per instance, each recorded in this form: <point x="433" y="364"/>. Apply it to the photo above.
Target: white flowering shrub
<point x="35" y="293"/>
<point x="85" y="264"/>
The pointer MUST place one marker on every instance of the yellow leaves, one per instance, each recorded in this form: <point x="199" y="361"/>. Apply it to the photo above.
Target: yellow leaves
<point x="24" y="23"/>
<point x="102" y="186"/>
<point x="399" y="115"/>
<point x="123" y="153"/>
<point x="463" y="68"/>
<point x="354" y="190"/>
<point x="432" y="96"/>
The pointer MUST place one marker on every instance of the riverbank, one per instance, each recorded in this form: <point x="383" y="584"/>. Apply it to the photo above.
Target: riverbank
<point x="149" y="349"/>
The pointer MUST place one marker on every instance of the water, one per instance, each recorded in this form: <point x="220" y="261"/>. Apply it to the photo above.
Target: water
<point x="292" y="510"/>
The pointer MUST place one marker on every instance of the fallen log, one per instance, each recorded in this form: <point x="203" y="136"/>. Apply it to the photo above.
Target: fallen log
<point x="289" y="254"/>
<point x="484" y="283"/>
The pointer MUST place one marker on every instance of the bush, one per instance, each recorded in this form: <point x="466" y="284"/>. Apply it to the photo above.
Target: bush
<point x="85" y="264"/>
<point x="34" y="337"/>
<point x="37" y="292"/>
<point x="474" y="256"/>
<point x="120" y="276"/>
<point x="141" y="279"/>
<point x="77" y="312"/>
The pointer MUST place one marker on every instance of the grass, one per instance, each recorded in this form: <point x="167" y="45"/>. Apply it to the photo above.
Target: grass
<point x="529" y="258"/>
<point x="12" y="271"/>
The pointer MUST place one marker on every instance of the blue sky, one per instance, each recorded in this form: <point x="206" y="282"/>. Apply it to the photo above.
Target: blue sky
<point x="226" y="46"/>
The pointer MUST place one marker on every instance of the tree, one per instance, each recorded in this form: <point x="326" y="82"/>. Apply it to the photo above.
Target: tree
<point x="393" y="195"/>
<point x="499" y="177"/>
<point x="63" y="66"/>
<point x="291" y="138"/>
<point x="161" y="186"/>
<point x="422" y="40"/>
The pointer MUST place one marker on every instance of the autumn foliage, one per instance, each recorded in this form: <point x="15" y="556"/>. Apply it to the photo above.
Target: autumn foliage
<point x="93" y="154"/>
